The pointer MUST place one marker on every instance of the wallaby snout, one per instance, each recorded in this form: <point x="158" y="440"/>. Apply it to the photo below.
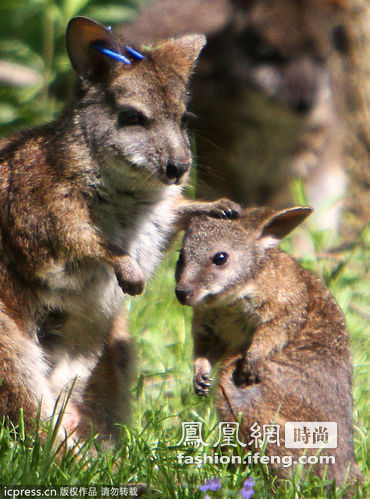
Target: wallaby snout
<point x="184" y="294"/>
<point x="175" y="172"/>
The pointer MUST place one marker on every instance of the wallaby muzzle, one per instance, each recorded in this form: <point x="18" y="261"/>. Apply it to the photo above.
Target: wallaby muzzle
<point x="183" y="295"/>
<point x="176" y="171"/>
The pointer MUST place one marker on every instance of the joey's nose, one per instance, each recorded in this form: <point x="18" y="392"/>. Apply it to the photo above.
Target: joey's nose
<point x="183" y="295"/>
<point x="175" y="171"/>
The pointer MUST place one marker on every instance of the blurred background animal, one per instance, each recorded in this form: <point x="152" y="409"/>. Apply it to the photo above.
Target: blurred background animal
<point x="281" y="92"/>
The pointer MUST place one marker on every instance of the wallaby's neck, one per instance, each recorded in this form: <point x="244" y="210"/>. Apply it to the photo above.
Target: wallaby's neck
<point x="277" y="284"/>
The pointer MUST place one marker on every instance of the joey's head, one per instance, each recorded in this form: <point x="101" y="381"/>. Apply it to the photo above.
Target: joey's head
<point x="132" y="101"/>
<point x="221" y="258"/>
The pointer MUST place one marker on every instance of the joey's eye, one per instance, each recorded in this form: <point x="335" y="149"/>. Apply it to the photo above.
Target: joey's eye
<point x="186" y="117"/>
<point x="131" y="117"/>
<point x="220" y="258"/>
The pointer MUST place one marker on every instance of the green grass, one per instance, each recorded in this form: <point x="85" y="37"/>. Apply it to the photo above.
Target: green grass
<point x="163" y="398"/>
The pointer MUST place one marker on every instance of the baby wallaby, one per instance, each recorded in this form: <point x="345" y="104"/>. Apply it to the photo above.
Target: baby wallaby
<point x="88" y="204"/>
<point x="275" y="328"/>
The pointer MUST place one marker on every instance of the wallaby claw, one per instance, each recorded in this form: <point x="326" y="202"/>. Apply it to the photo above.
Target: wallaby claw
<point x="225" y="208"/>
<point x="202" y="383"/>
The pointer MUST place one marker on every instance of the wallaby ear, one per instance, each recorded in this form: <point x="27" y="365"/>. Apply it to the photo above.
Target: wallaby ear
<point x="281" y="223"/>
<point x="181" y="53"/>
<point x="82" y="34"/>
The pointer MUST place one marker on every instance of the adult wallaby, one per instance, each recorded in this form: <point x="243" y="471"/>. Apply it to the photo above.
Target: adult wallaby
<point x="88" y="204"/>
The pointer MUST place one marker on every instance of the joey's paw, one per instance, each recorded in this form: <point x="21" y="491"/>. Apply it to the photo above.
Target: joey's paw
<point x="225" y="208"/>
<point x="253" y="367"/>
<point x="202" y="383"/>
<point x="247" y="372"/>
<point x="253" y="376"/>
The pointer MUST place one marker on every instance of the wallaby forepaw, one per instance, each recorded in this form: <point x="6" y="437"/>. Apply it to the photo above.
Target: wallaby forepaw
<point x="247" y="371"/>
<point x="129" y="276"/>
<point x="202" y="383"/>
<point x="225" y="208"/>
<point x="253" y="367"/>
<point x="131" y="287"/>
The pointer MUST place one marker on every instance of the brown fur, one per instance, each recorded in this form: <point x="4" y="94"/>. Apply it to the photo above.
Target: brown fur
<point x="88" y="204"/>
<point x="275" y="329"/>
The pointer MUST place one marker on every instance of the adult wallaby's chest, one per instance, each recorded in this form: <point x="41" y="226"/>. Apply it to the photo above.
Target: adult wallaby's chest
<point x="131" y="225"/>
<point x="137" y="218"/>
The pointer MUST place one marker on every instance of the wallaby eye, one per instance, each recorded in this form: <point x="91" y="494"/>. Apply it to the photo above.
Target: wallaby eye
<point x="186" y="117"/>
<point x="220" y="258"/>
<point x="130" y="117"/>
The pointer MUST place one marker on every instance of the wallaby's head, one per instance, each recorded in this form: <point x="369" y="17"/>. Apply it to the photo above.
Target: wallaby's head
<point x="220" y="256"/>
<point x="132" y="109"/>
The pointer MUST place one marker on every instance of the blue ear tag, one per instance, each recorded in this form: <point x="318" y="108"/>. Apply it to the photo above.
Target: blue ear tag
<point x="134" y="53"/>
<point x="113" y="55"/>
<point x="119" y="57"/>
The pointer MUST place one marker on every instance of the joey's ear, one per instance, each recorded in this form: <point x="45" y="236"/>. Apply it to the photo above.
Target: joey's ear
<point x="181" y="53"/>
<point x="281" y="223"/>
<point x="82" y="34"/>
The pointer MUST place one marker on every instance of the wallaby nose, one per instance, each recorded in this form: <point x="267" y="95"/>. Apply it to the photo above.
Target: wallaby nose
<point x="183" y="295"/>
<point x="175" y="171"/>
